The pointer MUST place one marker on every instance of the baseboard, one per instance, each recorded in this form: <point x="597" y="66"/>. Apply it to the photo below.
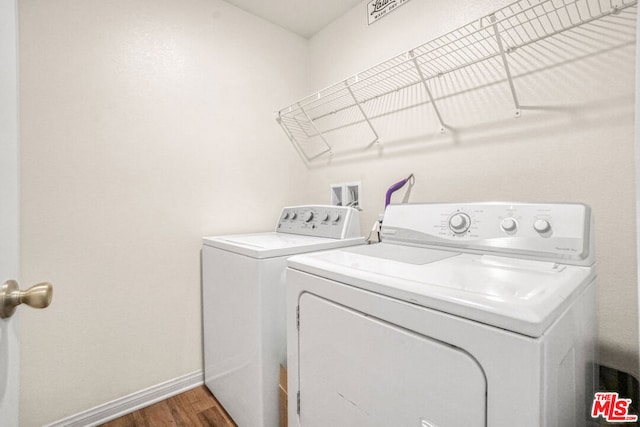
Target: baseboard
<point x="127" y="404"/>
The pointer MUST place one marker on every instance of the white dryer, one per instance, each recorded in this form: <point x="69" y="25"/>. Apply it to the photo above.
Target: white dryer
<point x="479" y="314"/>
<point x="243" y="304"/>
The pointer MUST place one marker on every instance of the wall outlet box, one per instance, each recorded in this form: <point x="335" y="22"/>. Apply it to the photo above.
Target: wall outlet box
<point x="346" y="194"/>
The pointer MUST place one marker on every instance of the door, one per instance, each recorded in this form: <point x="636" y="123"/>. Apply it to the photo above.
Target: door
<point x="38" y="296"/>
<point x="357" y="370"/>
<point x="9" y="237"/>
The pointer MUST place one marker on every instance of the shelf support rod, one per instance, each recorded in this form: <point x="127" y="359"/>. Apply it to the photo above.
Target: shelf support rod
<point x="507" y="70"/>
<point x="426" y="87"/>
<point x="293" y="141"/>
<point x="301" y="125"/>
<point x="318" y="132"/>
<point x="377" y="138"/>
<point x="284" y="128"/>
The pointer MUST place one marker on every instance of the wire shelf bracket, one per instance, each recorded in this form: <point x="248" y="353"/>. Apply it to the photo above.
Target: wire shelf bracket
<point x="505" y="63"/>
<point x="376" y="138"/>
<point x="426" y="88"/>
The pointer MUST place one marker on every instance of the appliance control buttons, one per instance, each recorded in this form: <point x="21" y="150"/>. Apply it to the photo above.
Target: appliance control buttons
<point x="308" y="216"/>
<point x="325" y="217"/>
<point x="542" y="226"/>
<point x="286" y="215"/>
<point x="336" y="217"/>
<point x="459" y="223"/>
<point x="509" y="225"/>
<point x="294" y="215"/>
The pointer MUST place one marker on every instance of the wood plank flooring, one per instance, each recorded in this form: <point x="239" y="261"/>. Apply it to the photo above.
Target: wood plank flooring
<point x="193" y="408"/>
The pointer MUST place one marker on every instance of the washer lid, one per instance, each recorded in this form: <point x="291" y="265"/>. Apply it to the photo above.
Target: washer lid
<point x="522" y="296"/>
<point x="273" y="244"/>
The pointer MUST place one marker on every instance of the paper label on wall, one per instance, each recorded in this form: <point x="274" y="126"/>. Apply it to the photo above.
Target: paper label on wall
<point x="376" y="9"/>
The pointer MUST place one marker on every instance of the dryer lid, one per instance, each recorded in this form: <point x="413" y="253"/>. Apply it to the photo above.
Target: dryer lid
<point x="522" y="296"/>
<point x="273" y="244"/>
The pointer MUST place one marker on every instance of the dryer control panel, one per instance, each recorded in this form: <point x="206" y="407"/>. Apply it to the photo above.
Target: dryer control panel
<point x="559" y="232"/>
<point x="335" y="222"/>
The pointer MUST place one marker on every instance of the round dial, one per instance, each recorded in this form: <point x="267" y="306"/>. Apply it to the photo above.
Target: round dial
<point x="459" y="223"/>
<point x="542" y="226"/>
<point x="325" y="216"/>
<point x="286" y="215"/>
<point x="308" y="216"/>
<point x="509" y="224"/>
<point x="294" y="215"/>
<point x="336" y="217"/>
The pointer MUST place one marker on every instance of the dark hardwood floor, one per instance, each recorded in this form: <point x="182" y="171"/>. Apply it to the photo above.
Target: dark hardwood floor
<point x="193" y="408"/>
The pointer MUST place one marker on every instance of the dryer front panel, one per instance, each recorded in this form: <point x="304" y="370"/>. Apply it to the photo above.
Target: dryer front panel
<point x="357" y="370"/>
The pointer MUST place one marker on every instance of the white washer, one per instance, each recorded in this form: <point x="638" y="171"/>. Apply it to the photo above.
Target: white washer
<point x="479" y="314"/>
<point x="243" y="296"/>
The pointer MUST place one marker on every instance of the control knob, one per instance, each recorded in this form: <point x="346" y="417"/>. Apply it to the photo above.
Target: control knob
<point x="542" y="226"/>
<point x="459" y="223"/>
<point x="509" y="224"/>
<point x="308" y="216"/>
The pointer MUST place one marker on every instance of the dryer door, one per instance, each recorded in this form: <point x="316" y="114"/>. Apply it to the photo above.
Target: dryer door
<point x="356" y="370"/>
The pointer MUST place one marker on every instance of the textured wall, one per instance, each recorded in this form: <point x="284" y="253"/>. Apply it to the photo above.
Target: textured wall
<point x="145" y="125"/>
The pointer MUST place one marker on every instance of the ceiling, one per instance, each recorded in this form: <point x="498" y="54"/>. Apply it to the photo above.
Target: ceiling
<point x="303" y="17"/>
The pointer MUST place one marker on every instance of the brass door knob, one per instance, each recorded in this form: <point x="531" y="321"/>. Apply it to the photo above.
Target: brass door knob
<point x="37" y="296"/>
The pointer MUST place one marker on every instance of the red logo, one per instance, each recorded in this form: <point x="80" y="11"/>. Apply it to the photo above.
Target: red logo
<point x="612" y="408"/>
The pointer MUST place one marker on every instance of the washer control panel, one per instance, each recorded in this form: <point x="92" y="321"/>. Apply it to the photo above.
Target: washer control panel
<point x="336" y="222"/>
<point x="531" y="230"/>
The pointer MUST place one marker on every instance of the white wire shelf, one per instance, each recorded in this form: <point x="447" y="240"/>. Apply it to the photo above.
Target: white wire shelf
<point x="309" y="122"/>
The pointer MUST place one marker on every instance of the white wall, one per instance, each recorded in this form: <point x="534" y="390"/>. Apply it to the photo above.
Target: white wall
<point x="145" y="125"/>
<point x="573" y="142"/>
